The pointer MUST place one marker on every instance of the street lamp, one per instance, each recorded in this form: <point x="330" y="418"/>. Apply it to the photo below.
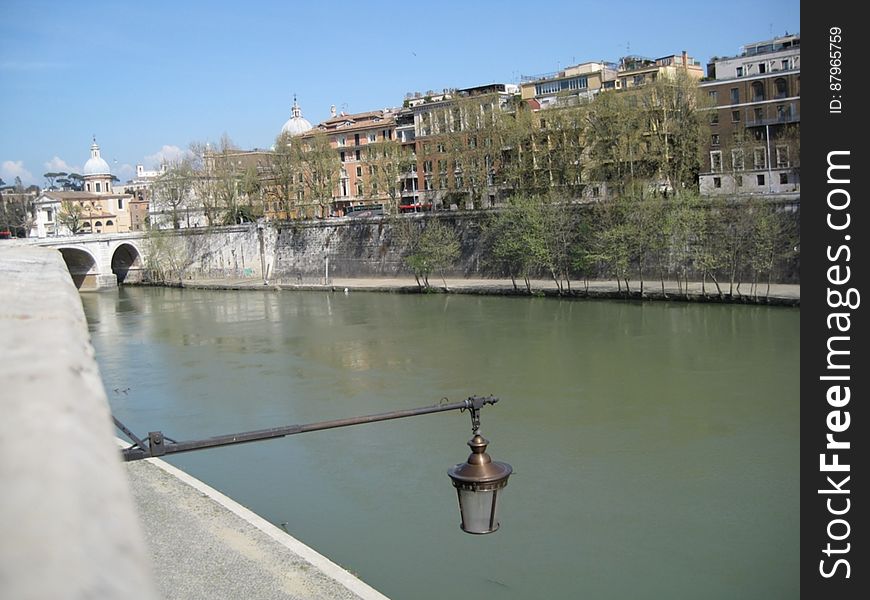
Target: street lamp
<point x="478" y="481"/>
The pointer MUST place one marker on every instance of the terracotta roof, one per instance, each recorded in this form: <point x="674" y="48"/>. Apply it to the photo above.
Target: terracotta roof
<point x="56" y="195"/>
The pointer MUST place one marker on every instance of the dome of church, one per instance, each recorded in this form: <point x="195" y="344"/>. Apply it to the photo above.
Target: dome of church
<point x="296" y="124"/>
<point x="95" y="164"/>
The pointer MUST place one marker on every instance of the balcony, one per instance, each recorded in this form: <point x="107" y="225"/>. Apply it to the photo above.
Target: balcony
<point x="782" y="119"/>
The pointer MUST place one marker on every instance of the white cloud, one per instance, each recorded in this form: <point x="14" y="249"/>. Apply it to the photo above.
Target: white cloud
<point x="57" y="164"/>
<point x="167" y="154"/>
<point x="10" y="169"/>
<point x="125" y="171"/>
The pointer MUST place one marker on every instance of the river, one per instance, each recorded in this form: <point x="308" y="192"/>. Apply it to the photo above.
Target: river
<point x="654" y="445"/>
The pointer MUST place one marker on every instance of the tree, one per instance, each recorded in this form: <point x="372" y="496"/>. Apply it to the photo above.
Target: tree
<point x="510" y="236"/>
<point x="171" y="254"/>
<point x="284" y="174"/>
<point x="676" y="127"/>
<point x="51" y="178"/>
<point x="71" y="216"/>
<point x="388" y="161"/>
<point x="319" y="165"/>
<point x="430" y="246"/>
<point x="613" y="133"/>
<point x="171" y="191"/>
<point x="252" y="190"/>
<point x="16" y="213"/>
<point x="471" y="134"/>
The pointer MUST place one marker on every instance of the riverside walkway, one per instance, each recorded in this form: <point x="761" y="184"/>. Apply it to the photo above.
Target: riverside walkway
<point x="203" y="545"/>
<point x="787" y="294"/>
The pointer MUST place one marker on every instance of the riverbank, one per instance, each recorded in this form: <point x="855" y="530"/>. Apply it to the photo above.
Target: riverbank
<point x="779" y="294"/>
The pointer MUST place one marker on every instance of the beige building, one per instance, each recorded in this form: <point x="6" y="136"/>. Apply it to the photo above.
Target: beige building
<point x="96" y="209"/>
<point x="634" y="71"/>
<point x="572" y="84"/>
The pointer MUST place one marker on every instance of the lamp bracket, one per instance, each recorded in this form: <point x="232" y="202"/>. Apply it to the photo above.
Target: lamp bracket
<point x="473" y="405"/>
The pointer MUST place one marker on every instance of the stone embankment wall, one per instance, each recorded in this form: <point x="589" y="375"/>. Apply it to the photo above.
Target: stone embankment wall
<point x="310" y="251"/>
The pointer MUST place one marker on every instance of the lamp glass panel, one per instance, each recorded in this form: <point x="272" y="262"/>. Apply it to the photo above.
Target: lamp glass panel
<point x="477" y="514"/>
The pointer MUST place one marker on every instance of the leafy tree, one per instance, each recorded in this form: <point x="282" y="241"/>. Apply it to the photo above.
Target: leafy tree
<point x="283" y="175"/>
<point x="431" y="247"/>
<point x="319" y="166"/>
<point x="511" y="239"/>
<point x="172" y="189"/>
<point x="71" y="216"/>
<point x="388" y="161"/>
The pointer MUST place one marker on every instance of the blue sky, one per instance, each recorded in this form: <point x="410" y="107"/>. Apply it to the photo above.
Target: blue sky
<point x="148" y="78"/>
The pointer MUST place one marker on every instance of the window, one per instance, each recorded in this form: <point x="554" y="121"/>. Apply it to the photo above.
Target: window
<point x="441" y="148"/>
<point x="739" y="180"/>
<point x="109" y="223"/>
<point x="735" y="116"/>
<point x="714" y="139"/>
<point x="783" y="178"/>
<point x="740" y="71"/>
<point x="341" y="156"/>
<point x="759" y="179"/>
<point x="786" y="64"/>
<point x="97" y="186"/>
<point x="735" y="95"/>
<point x="714" y="95"/>
<point x="782" y="157"/>
<point x="372" y="137"/>
<point x="762" y="68"/>
<point x="442" y="166"/>
<point x="359" y="189"/>
<point x="427" y="183"/>
<point x="714" y="118"/>
<point x="356" y="154"/>
<point x="717" y="182"/>
<point x="341" y="140"/>
<point x="758" y="161"/>
<point x="780" y="86"/>
<point x="737" y="159"/>
<point x="758" y="114"/>
<point x="716" y="161"/>
<point x="427" y="166"/>
<point x="783" y="113"/>
<point x="757" y="91"/>
<point x="359" y="171"/>
<point x="356" y="139"/>
<point x="120" y="204"/>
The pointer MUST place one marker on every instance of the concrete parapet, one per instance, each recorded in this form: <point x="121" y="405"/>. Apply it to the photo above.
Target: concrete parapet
<point x="68" y="523"/>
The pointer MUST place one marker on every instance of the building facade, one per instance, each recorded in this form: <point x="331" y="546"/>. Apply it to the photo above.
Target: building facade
<point x="97" y="209"/>
<point x="754" y="143"/>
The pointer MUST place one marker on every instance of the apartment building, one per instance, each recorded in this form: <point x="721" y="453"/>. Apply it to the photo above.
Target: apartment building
<point x="754" y="143"/>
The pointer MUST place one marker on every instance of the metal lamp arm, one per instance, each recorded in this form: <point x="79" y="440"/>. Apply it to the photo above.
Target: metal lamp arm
<point x="158" y="445"/>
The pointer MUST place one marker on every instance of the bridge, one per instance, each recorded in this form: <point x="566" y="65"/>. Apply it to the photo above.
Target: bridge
<point x="100" y="261"/>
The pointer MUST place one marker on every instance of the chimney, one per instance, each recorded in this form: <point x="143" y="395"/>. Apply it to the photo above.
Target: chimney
<point x="685" y="59"/>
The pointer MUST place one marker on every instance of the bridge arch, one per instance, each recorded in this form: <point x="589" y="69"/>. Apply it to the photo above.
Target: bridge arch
<point x="127" y="263"/>
<point x="83" y="267"/>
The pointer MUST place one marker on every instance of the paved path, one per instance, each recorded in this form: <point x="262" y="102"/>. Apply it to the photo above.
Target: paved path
<point x="206" y="546"/>
<point x="779" y="293"/>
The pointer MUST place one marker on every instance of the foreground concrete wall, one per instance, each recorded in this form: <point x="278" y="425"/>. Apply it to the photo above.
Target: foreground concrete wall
<point x="69" y="528"/>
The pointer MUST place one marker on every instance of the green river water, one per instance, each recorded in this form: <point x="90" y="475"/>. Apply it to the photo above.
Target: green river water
<point x="654" y="445"/>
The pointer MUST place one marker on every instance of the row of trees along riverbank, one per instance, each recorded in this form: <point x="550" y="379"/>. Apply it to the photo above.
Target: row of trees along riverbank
<point x="724" y="243"/>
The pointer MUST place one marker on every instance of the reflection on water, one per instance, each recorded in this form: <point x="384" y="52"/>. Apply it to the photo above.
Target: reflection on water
<point x="655" y="446"/>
